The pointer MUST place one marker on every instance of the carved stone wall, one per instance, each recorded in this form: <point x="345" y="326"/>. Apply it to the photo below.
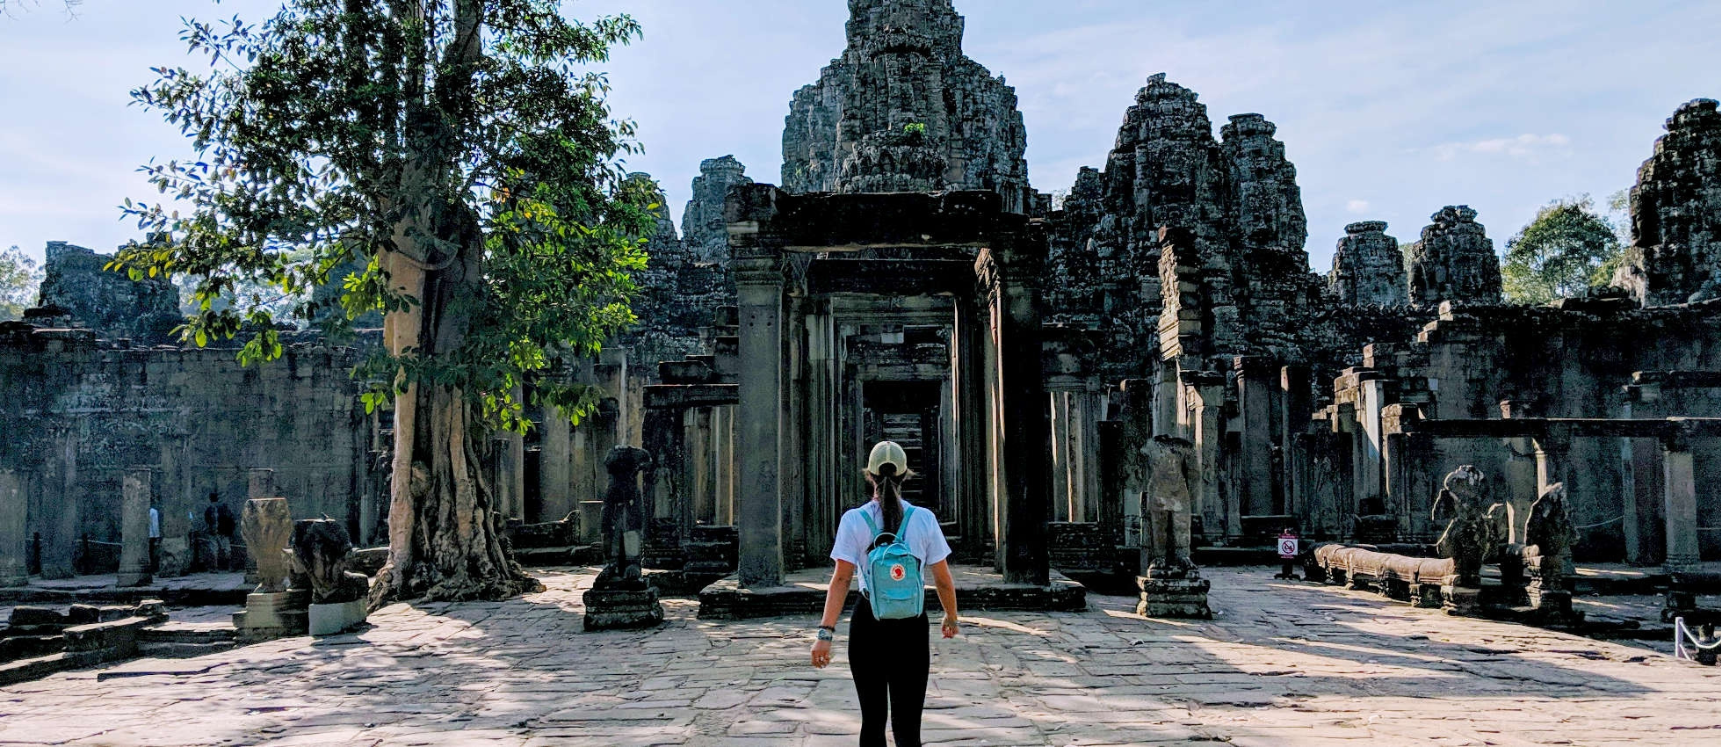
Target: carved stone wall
<point x="1676" y="213"/>
<point x="1368" y="268"/>
<point x="75" y="279"/>
<point x="1454" y="261"/>
<point x="78" y="411"/>
<point x="904" y="110"/>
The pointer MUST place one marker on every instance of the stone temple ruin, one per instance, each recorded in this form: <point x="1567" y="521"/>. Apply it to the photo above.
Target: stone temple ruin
<point x="905" y="281"/>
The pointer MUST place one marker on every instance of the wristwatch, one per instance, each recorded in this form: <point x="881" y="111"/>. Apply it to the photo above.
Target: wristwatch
<point x="827" y="634"/>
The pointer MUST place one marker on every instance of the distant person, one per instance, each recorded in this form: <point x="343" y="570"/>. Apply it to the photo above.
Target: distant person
<point x="894" y="544"/>
<point x="218" y="522"/>
<point x="154" y="539"/>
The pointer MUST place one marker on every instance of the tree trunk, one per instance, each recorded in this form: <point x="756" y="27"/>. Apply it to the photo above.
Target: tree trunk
<point x="445" y="541"/>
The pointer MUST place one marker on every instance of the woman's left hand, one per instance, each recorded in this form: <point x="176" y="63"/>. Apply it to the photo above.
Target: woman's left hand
<point x="821" y="654"/>
<point x="949" y="626"/>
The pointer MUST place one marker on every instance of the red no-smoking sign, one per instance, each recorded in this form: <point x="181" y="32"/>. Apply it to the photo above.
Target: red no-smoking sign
<point x="1287" y="547"/>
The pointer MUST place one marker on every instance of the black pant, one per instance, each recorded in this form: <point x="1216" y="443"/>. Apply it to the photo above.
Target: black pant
<point x="889" y="660"/>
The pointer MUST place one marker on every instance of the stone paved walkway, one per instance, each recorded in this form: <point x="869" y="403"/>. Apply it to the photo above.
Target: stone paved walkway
<point x="1285" y="664"/>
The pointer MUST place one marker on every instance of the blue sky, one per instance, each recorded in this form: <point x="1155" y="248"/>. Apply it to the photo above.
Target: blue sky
<point x="1390" y="110"/>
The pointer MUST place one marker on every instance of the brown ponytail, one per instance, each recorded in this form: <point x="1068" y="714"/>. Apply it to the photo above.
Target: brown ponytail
<point x="887" y="488"/>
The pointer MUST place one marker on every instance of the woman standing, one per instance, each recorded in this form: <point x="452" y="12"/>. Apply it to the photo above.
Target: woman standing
<point x="890" y="658"/>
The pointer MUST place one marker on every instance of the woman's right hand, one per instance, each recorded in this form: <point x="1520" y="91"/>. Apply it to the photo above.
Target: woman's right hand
<point x="821" y="654"/>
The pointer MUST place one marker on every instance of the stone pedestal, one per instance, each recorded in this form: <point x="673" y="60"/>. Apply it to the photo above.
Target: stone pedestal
<point x="1176" y="593"/>
<point x="274" y="614"/>
<point x="622" y="609"/>
<point x="1462" y="600"/>
<point x="335" y="619"/>
<point x="134" y="528"/>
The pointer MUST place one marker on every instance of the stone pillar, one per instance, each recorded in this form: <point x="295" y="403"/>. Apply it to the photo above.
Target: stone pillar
<point x="792" y="436"/>
<point x="1209" y="432"/>
<point x="1407" y="459"/>
<point x="555" y="467"/>
<point x="58" y="500"/>
<point x="1257" y="378"/>
<point x="759" y="283"/>
<point x="1634" y="550"/>
<point x="1062" y="506"/>
<point x="1166" y="395"/>
<point x="1680" y="489"/>
<point x="722" y="425"/>
<point x="134" y="527"/>
<point x="1296" y="396"/>
<point x="826" y="499"/>
<point x="173" y="555"/>
<point x="14" y="535"/>
<point x="700" y="481"/>
<point x="1367" y="466"/>
<point x="1014" y="266"/>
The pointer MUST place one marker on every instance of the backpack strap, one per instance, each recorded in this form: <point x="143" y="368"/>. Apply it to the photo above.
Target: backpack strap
<point x="870" y="524"/>
<point x="902" y="523"/>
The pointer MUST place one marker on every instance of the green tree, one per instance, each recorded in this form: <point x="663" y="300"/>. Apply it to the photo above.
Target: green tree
<point x="463" y="153"/>
<point x="1568" y="249"/>
<point x="19" y="279"/>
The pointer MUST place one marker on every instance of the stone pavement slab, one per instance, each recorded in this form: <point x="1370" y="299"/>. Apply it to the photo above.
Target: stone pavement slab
<point x="1281" y="664"/>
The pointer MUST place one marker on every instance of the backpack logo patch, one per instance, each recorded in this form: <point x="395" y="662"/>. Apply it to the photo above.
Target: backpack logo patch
<point x="897" y="572"/>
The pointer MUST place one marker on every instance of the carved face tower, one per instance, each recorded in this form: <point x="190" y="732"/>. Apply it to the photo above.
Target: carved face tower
<point x="903" y="110"/>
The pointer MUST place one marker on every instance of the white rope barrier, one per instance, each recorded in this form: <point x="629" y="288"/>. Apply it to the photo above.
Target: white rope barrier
<point x="1614" y="520"/>
<point x="1686" y="644"/>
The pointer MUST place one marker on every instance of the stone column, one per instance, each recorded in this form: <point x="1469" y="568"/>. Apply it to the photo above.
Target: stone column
<point x="1680" y="489"/>
<point x="792" y="437"/>
<point x="14" y="536"/>
<point x="1296" y="397"/>
<point x="1016" y="263"/>
<point x="134" y="527"/>
<point x="1407" y="456"/>
<point x="1062" y="505"/>
<point x="703" y="487"/>
<point x="1634" y="550"/>
<point x="1257" y="378"/>
<point x="1367" y="467"/>
<point x="1209" y="433"/>
<point x="722" y="425"/>
<point x="555" y="467"/>
<point x="177" y="503"/>
<point x="759" y="283"/>
<point x="58" y="499"/>
<point x="827" y="501"/>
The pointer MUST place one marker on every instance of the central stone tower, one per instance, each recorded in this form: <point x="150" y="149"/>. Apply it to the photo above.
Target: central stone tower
<point x="904" y="110"/>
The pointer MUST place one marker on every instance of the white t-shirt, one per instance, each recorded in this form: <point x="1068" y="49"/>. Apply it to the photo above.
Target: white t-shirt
<point x="925" y="537"/>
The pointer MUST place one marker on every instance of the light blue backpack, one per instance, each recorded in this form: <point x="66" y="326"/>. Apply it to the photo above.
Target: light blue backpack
<point x="893" y="581"/>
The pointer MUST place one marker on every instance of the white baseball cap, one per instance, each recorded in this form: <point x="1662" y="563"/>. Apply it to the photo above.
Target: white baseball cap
<point x="887" y="452"/>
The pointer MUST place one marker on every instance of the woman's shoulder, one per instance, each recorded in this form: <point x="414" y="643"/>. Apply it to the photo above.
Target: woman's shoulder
<point x="923" y="514"/>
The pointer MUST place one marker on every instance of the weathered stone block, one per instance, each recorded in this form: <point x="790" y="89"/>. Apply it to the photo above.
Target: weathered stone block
<point x="336" y="618"/>
<point x="608" y="609"/>
<point x="1174" y="596"/>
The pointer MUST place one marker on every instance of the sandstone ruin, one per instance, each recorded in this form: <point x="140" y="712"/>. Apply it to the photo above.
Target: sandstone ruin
<point x="906" y="281"/>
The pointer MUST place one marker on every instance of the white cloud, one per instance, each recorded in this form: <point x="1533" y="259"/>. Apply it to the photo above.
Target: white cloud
<point x="1522" y="146"/>
<point x="1357" y="206"/>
